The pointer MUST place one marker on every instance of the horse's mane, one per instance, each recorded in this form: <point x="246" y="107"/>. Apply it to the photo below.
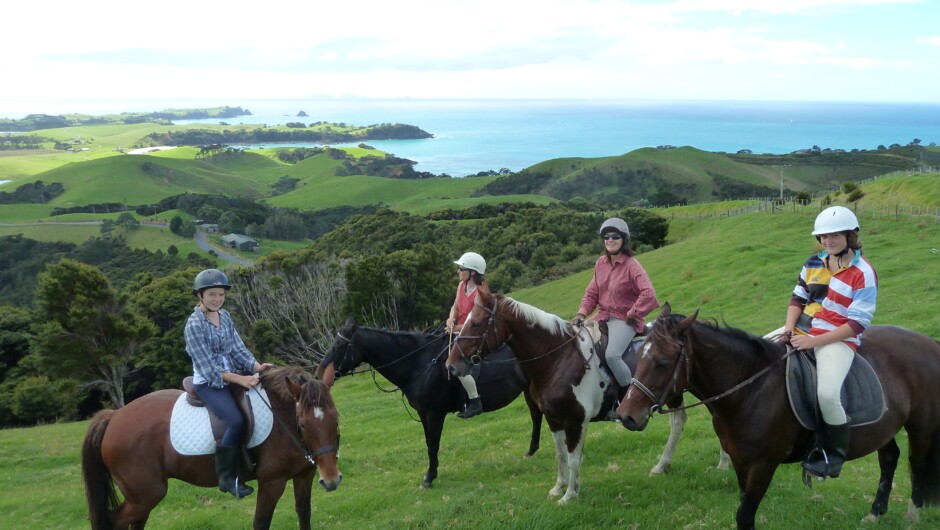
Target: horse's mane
<point x="316" y="393"/>
<point x="740" y="344"/>
<point x="533" y="315"/>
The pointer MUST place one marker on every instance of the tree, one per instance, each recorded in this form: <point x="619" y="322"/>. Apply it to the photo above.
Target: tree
<point x="84" y="330"/>
<point x="172" y="250"/>
<point x="290" y="316"/>
<point x="175" y="224"/>
<point x="167" y="302"/>
<point x="107" y="227"/>
<point x="128" y="221"/>
<point x="230" y="222"/>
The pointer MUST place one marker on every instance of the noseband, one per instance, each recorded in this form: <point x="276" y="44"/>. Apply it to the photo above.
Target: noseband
<point x="476" y="358"/>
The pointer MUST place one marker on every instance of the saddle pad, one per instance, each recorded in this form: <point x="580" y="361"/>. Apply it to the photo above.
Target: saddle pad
<point x="191" y="433"/>
<point x="862" y="395"/>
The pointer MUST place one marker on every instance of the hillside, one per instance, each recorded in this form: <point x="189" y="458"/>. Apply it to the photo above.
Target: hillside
<point x="685" y="174"/>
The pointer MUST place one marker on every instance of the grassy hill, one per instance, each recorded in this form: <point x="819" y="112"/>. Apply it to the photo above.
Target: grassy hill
<point x="689" y="174"/>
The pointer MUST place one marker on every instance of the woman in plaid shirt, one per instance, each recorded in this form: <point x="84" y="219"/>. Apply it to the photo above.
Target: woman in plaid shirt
<point x="219" y="359"/>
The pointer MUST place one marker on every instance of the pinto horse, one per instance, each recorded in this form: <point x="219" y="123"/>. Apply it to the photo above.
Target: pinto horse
<point x="563" y="371"/>
<point x="742" y="379"/>
<point x="131" y="446"/>
<point x="413" y="362"/>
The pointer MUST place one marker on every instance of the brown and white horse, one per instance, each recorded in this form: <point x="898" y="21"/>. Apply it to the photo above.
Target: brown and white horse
<point x="563" y="370"/>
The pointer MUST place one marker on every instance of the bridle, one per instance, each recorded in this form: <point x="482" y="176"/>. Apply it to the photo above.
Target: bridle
<point x="685" y="354"/>
<point x="658" y="402"/>
<point x="309" y="456"/>
<point x="476" y="358"/>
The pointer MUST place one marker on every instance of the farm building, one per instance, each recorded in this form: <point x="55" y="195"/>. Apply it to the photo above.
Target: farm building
<point x="240" y="242"/>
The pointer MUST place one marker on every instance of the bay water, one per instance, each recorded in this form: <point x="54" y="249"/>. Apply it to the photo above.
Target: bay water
<point x="471" y="136"/>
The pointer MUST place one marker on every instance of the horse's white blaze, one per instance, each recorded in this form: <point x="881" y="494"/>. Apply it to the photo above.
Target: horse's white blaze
<point x="318" y="413"/>
<point x="645" y="350"/>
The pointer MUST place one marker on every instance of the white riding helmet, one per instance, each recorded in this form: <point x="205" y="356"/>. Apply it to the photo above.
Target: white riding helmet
<point x="835" y="219"/>
<point x="615" y="224"/>
<point x="472" y="261"/>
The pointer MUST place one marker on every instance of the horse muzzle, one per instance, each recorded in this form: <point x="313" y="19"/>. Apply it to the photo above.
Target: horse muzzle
<point x="331" y="484"/>
<point x="457" y="368"/>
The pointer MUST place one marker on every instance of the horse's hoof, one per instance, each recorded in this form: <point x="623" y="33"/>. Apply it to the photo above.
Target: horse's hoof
<point x="913" y="513"/>
<point x="556" y="491"/>
<point x="567" y="499"/>
<point x="658" y="470"/>
<point x="529" y="454"/>
<point x="426" y="484"/>
<point x="870" y="519"/>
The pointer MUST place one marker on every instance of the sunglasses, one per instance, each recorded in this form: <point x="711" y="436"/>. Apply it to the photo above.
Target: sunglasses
<point x="605" y="237"/>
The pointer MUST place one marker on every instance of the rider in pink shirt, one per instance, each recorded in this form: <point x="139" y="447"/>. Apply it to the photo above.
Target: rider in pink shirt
<point x="622" y="293"/>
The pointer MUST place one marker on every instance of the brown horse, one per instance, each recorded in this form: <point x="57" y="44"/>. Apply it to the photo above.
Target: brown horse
<point x="563" y="371"/>
<point x="131" y="446"/>
<point x="752" y="415"/>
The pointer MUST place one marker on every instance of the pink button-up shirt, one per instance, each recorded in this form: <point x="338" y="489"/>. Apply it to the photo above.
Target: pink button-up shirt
<point x="620" y="289"/>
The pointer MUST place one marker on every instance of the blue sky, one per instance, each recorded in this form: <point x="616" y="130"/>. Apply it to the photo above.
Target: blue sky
<point x="67" y="54"/>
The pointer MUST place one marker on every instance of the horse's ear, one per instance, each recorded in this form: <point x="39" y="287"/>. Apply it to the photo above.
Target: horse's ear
<point x="293" y="388"/>
<point x="666" y="310"/>
<point x="350" y="322"/>
<point x="327" y="374"/>
<point x="484" y="290"/>
<point x="687" y="322"/>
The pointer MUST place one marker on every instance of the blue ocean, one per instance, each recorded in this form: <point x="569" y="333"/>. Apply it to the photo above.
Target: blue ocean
<point x="479" y="135"/>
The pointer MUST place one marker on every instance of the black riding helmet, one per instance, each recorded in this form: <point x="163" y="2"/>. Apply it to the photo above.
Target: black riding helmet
<point x="210" y="278"/>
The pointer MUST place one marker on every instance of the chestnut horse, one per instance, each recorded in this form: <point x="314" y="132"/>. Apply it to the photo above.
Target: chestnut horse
<point x="563" y="371"/>
<point x="742" y="379"/>
<point x="131" y="446"/>
<point x="413" y="362"/>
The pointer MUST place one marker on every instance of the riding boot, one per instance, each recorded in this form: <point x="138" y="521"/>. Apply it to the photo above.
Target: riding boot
<point x="225" y="458"/>
<point x="827" y="458"/>
<point x="621" y="393"/>
<point x="474" y="407"/>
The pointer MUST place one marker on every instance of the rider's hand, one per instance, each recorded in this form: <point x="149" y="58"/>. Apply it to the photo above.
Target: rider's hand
<point x="260" y="367"/>
<point x="450" y="325"/>
<point x="577" y="320"/>
<point x="248" y="381"/>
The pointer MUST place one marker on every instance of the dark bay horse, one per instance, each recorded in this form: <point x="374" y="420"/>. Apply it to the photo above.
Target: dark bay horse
<point x="563" y="372"/>
<point x="755" y="423"/>
<point x="131" y="446"/>
<point x="414" y="362"/>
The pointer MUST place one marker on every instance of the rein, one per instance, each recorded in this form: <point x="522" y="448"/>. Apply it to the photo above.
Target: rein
<point x="309" y="456"/>
<point x="658" y="403"/>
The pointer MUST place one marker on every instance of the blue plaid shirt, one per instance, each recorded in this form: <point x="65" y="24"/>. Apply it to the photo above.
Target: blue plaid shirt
<point x="215" y="350"/>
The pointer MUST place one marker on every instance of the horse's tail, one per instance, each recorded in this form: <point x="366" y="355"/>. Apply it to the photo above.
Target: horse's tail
<point x="99" y="487"/>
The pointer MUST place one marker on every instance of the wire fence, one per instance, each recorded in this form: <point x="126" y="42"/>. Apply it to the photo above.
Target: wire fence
<point x="896" y="212"/>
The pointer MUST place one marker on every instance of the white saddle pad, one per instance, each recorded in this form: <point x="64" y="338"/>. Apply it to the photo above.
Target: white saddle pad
<point x="191" y="433"/>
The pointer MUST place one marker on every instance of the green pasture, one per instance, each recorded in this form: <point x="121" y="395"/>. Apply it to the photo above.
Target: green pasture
<point x="484" y="481"/>
<point x="323" y="191"/>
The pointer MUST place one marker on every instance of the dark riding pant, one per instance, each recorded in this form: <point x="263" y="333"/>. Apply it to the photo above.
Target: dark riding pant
<point x="222" y="404"/>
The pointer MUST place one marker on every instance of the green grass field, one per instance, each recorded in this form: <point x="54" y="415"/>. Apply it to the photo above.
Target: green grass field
<point x="739" y="270"/>
<point x="484" y="481"/>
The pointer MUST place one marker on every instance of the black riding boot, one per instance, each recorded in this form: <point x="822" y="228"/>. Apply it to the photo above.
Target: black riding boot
<point x="474" y="407"/>
<point x="827" y="462"/>
<point x="225" y="458"/>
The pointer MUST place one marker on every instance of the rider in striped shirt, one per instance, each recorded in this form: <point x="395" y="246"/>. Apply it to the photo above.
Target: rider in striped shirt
<point x="836" y="328"/>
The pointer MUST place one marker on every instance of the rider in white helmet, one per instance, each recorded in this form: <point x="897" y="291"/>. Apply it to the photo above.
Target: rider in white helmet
<point x="470" y="269"/>
<point x="623" y="295"/>
<point x="844" y="286"/>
